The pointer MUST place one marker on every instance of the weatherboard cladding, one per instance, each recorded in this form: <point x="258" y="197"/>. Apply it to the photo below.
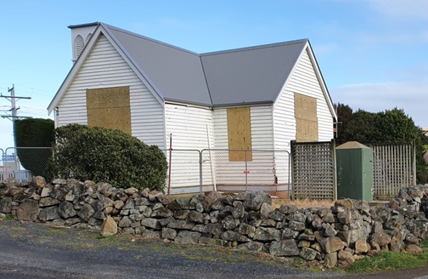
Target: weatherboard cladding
<point x="104" y="67"/>
<point x="234" y="77"/>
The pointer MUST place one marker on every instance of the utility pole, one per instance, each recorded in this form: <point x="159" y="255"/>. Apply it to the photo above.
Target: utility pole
<point x="13" y="109"/>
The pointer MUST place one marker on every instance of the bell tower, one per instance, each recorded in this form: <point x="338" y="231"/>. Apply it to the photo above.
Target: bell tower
<point x="80" y="35"/>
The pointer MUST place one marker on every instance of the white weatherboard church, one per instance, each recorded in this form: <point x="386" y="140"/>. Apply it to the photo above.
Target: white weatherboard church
<point x="257" y="98"/>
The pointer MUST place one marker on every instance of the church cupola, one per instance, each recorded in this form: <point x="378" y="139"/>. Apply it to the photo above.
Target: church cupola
<point x="80" y="35"/>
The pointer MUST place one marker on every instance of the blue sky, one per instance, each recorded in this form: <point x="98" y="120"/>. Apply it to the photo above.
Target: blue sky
<point x="373" y="53"/>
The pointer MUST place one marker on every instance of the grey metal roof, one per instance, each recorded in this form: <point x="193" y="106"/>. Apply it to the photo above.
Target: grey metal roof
<point x="246" y="75"/>
<point x="250" y="75"/>
<point x="177" y="73"/>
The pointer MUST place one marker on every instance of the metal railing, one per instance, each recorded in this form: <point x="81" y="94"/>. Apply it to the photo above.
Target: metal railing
<point x="227" y="170"/>
<point x="22" y="163"/>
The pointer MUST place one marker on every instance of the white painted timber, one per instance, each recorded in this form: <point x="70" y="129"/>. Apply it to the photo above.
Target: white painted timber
<point x="190" y="127"/>
<point x="262" y="166"/>
<point x="302" y="80"/>
<point x="104" y="68"/>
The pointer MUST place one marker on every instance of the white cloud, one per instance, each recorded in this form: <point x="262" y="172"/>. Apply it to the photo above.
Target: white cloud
<point x="375" y="97"/>
<point x="401" y="9"/>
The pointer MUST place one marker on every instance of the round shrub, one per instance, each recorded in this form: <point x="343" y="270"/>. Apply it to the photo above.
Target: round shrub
<point x="105" y="155"/>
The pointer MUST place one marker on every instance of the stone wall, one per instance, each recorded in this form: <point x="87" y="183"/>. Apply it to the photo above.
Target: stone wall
<point x="335" y="236"/>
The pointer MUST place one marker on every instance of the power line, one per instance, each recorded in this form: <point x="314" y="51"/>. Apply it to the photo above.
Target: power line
<point x="13" y="109"/>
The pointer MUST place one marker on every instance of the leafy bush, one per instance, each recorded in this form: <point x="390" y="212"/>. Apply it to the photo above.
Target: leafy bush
<point x="34" y="132"/>
<point x="105" y="155"/>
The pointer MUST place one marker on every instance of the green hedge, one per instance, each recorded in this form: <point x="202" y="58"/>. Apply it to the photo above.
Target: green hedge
<point x="106" y="155"/>
<point x="34" y="132"/>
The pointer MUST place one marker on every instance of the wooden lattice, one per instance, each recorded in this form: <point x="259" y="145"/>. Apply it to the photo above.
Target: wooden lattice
<point x="393" y="168"/>
<point x="314" y="170"/>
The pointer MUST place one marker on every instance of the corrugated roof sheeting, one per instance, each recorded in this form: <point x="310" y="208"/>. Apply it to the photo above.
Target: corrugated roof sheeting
<point x="250" y="75"/>
<point x="241" y="76"/>
<point x="176" y="73"/>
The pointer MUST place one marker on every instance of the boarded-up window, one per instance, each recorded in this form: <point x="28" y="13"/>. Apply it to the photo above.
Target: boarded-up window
<point x="109" y="108"/>
<point x="305" y="112"/>
<point x="239" y="133"/>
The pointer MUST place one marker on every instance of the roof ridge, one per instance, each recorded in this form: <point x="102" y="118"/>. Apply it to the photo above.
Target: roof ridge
<point x="255" y="47"/>
<point x="149" y="39"/>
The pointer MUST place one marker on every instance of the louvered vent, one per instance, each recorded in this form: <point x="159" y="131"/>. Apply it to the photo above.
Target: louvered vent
<point x="78" y="45"/>
<point x="88" y="37"/>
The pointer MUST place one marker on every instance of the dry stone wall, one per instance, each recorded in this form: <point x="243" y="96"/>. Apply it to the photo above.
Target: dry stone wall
<point x="335" y="236"/>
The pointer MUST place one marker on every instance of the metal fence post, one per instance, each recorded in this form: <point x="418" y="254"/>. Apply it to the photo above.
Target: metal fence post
<point x="246" y="172"/>
<point x="414" y="162"/>
<point x="333" y="152"/>
<point x="200" y="172"/>
<point x="2" y="174"/>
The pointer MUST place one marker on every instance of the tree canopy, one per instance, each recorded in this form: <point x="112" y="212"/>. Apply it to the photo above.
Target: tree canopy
<point x="389" y="126"/>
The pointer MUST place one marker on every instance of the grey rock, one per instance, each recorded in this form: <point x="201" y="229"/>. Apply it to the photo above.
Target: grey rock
<point x="86" y="212"/>
<point x="267" y="234"/>
<point x="180" y="224"/>
<point x="246" y="229"/>
<point x="164" y="199"/>
<point x="252" y="246"/>
<point x="288" y="233"/>
<point x="151" y="234"/>
<point x="48" y="214"/>
<point x="214" y="229"/>
<point x="329" y="230"/>
<point x="229" y="223"/>
<point x="380" y="238"/>
<point x="48" y="201"/>
<point x="331" y="259"/>
<point x="308" y="254"/>
<point x="265" y="210"/>
<point x="238" y="209"/>
<point x="181" y="214"/>
<point x="162" y="213"/>
<point x="331" y="244"/>
<point x="234" y="236"/>
<point x="151" y="223"/>
<point x="187" y="237"/>
<point x="125" y="222"/>
<point x="277" y="215"/>
<point x="195" y="217"/>
<point x="296" y="226"/>
<point x="284" y="248"/>
<point x="66" y="210"/>
<point x="169" y="233"/>
<point x="28" y="210"/>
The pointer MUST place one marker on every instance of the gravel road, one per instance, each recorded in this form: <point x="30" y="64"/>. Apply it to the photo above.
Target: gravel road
<point x="36" y="251"/>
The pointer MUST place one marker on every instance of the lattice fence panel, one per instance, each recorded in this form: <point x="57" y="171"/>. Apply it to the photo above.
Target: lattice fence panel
<point x="314" y="170"/>
<point x="393" y="168"/>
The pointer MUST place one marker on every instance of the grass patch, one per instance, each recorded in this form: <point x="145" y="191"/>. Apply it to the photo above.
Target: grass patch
<point x="387" y="261"/>
<point x="9" y="217"/>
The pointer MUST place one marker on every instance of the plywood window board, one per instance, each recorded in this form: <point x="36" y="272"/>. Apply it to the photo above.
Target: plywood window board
<point x="305" y="112"/>
<point x="109" y="108"/>
<point x="239" y="133"/>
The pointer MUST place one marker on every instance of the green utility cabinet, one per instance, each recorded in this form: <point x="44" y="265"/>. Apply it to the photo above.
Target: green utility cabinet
<point x="354" y="171"/>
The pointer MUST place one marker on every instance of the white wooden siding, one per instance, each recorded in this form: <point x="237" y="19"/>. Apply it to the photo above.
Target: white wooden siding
<point x="104" y="67"/>
<point x="303" y="80"/>
<point x="262" y="166"/>
<point x="261" y="127"/>
<point x="190" y="127"/>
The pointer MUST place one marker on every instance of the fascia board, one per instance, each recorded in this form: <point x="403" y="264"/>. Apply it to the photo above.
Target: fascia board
<point x="321" y="81"/>
<point x="74" y="70"/>
<point x="134" y="66"/>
